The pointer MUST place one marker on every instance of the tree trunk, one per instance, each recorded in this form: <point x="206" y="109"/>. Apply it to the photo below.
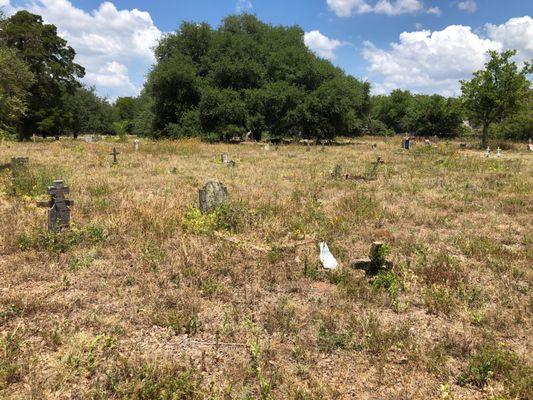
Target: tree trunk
<point x="484" y="134"/>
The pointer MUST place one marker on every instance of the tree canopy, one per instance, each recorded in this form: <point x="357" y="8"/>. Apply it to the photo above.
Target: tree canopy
<point x="51" y="61"/>
<point x="248" y="75"/>
<point x="496" y="92"/>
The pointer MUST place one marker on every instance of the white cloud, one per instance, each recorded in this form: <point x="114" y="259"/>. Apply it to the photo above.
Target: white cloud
<point x="346" y="8"/>
<point x="321" y="44"/>
<point x="398" y="7"/>
<point x="468" y="6"/>
<point x="434" y="10"/>
<point x="108" y="42"/>
<point x="517" y="33"/>
<point x="429" y="62"/>
<point x="244" y="5"/>
<point x="113" y="75"/>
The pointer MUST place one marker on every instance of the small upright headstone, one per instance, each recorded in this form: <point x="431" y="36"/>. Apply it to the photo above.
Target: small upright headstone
<point x="374" y="146"/>
<point x="19" y="166"/>
<point x="487" y="152"/>
<point x="406" y="143"/>
<point x="225" y="159"/>
<point x="58" y="207"/>
<point x="114" y="153"/>
<point x="136" y="144"/>
<point x="267" y="147"/>
<point x="212" y="196"/>
<point x="530" y="145"/>
<point x="498" y="152"/>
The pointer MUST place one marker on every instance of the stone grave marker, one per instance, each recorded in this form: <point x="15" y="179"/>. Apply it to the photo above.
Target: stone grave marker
<point x="114" y="153"/>
<point x="212" y="196"/>
<point x="58" y="207"/>
<point x="487" y="152"/>
<point x="225" y="159"/>
<point x="406" y="143"/>
<point x="136" y="144"/>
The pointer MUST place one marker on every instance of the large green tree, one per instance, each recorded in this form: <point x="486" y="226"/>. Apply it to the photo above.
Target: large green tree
<point x="496" y="92"/>
<point x="56" y="74"/>
<point x="89" y="112"/>
<point x="248" y="75"/>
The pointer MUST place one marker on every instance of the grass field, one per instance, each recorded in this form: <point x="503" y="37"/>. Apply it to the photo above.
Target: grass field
<point x="145" y="298"/>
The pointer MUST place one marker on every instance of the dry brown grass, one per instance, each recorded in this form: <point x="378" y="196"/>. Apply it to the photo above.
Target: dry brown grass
<point x="141" y="300"/>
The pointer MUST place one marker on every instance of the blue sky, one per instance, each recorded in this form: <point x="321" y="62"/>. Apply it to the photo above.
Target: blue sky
<point x="422" y="45"/>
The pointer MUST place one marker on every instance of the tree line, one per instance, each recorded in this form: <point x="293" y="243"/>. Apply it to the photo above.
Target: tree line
<point x="243" y="77"/>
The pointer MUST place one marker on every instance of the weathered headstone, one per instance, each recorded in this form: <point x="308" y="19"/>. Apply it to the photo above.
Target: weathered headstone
<point x="406" y="143"/>
<point x="136" y="144"/>
<point x="114" y="153"/>
<point x="487" y="152"/>
<point x="19" y="166"/>
<point x="212" y="196"/>
<point x="225" y="159"/>
<point x="58" y="207"/>
<point x="498" y="152"/>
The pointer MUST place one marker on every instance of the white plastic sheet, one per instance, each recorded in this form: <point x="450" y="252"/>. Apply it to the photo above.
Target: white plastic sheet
<point x="327" y="259"/>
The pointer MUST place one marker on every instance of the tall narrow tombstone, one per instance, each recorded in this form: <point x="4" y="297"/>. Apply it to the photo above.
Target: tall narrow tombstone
<point x="212" y="196"/>
<point x="136" y="144"/>
<point x="58" y="207"/>
<point x="406" y="143"/>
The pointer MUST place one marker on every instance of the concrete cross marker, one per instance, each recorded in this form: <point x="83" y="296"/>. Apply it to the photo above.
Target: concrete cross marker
<point x="487" y="152"/>
<point x="58" y="207"/>
<point x="212" y="196"/>
<point x="136" y="144"/>
<point x="114" y="154"/>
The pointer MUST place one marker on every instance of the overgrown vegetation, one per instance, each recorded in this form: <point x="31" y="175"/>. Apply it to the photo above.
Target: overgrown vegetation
<point x="145" y="296"/>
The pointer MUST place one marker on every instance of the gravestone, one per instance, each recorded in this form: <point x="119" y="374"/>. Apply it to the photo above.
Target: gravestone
<point x="406" y="143"/>
<point x="19" y="166"/>
<point x="136" y="144"/>
<point x="58" y="207"/>
<point x="212" y="196"/>
<point x="225" y="159"/>
<point x="487" y="152"/>
<point x="114" y="153"/>
<point x="374" y="146"/>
